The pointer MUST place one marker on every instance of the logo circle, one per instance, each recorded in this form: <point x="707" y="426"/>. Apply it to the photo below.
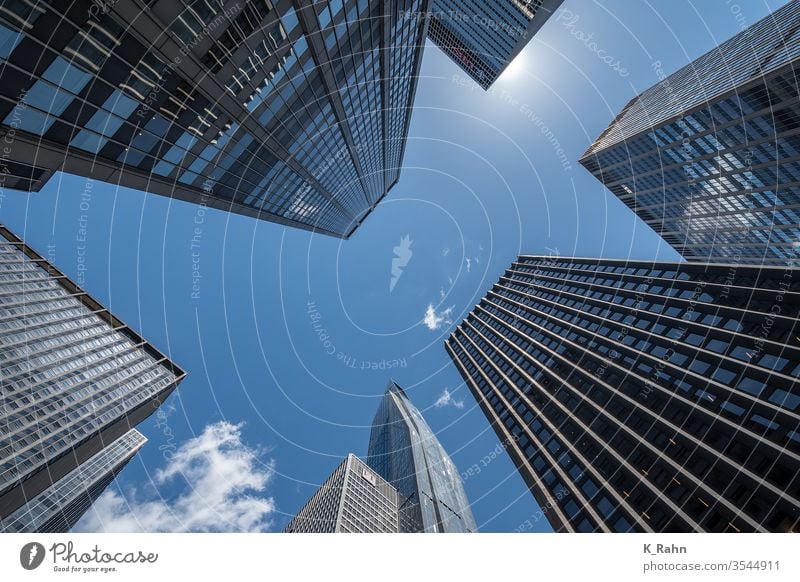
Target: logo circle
<point x="31" y="555"/>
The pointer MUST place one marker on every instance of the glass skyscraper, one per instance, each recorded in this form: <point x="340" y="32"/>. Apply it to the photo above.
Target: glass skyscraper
<point x="484" y="36"/>
<point x="405" y="451"/>
<point x="284" y="110"/>
<point x="642" y="396"/>
<point x="354" y="499"/>
<point x="59" y="507"/>
<point x="708" y="157"/>
<point x="74" y="380"/>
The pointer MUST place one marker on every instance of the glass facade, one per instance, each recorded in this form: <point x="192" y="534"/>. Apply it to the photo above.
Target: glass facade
<point x="405" y="451"/>
<point x="484" y="36"/>
<point x="72" y="376"/>
<point x="641" y="396"/>
<point x="59" y="507"/>
<point x="283" y="110"/>
<point x="354" y="499"/>
<point x="707" y="157"/>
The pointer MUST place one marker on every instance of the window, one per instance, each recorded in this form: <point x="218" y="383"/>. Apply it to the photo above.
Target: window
<point x="52" y="94"/>
<point x="724" y="375"/>
<point x="194" y="19"/>
<point x="590" y="488"/>
<point x="30" y="120"/>
<point x="733" y="325"/>
<point x="716" y="345"/>
<point x="605" y="506"/>
<point x="66" y="76"/>
<point x="8" y="41"/>
<point x="733" y="408"/>
<point x="622" y="525"/>
<point x="765" y="422"/>
<point x="751" y="386"/>
<point x="289" y="20"/>
<point x="741" y="353"/>
<point x="92" y="46"/>
<point x="21" y="13"/>
<point x="699" y="366"/>
<point x="694" y="339"/>
<point x="571" y="508"/>
<point x="785" y="399"/>
<point x="104" y="124"/>
<point x="145" y="76"/>
<point x="46" y="97"/>
<point x="772" y="362"/>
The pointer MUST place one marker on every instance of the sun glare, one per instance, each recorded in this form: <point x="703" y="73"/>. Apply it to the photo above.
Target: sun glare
<point x="515" y="68"/>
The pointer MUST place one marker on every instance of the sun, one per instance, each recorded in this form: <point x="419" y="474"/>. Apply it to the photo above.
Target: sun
<point x="515" y="68"/>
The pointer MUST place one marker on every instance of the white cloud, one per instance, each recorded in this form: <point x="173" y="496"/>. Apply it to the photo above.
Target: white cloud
<point x="434" y="319"/>
<point x="224" y="490"/>
<point x="447" y="399"/>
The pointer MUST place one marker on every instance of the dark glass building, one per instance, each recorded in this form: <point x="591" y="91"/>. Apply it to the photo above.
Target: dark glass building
<point x="484" y="36"/>
<point x="354" y="499"/>
<point x="642" y="396"/>
<point x="74" y="380"/>
<point x="284" y="110"/>
<point x="710" y="156"/>
<point x="405" y="451"/>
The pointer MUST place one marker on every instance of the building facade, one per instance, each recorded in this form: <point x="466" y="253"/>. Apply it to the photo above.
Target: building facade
<point x="405" y="451"/>
<point x="74" y="380"/>
<point x="484" y="36"/>
<point x="642" y="396"/>
<point x="284" y="110"/>
<point x="59" y="507"/>
<point x="710" y="156"/>
<point x="354" y="499"/>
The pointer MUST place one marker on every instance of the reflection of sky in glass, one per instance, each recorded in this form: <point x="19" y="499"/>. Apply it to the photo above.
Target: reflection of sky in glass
<point x="61" y="504"/>
<point x="710" y="184"/>
<point x="406" y="452"/>
<point x="763" y="48"/>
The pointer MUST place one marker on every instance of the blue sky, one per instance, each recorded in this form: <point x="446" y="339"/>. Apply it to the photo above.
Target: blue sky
<point x="487" y="176"/>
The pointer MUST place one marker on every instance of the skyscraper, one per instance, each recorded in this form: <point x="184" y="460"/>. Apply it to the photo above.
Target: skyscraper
<point x="484" y="36"/>
<point x="641" y="396"/>
<point x="708" y="157"/>
<point x="75" y="380"/>
<point x="354" y="499"/>
<point x="284" y="110"/>
<point x="59" y="507"/>
<point x="405" y="451"/>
